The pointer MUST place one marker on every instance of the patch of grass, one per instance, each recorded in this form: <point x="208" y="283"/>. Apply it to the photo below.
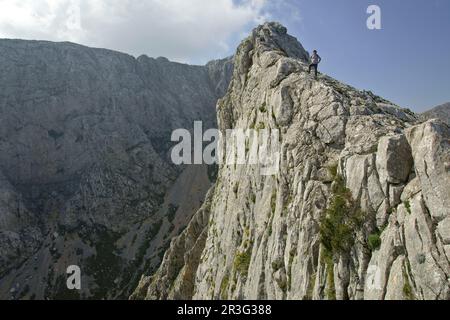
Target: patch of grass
<point x="289" y="271"/>
<point x="342" y="220"/>
<point x="242" y="262"/>
<point x="407" y="289"/>
<point x="283" y="286"/>
<point x="277" y="264"/>
<point x="333" y="170"/>
<point x="247" y="234"/>
<point x="374" y="149"/>
<point x="338" y="229"/>
<point x="331" y="287"/>
<point x="263" y="108"/>
<point x="224" y="287"/>
<point x="407" y="205"/>
<point x="374" y="241"/>
<point x="261" y="126"/>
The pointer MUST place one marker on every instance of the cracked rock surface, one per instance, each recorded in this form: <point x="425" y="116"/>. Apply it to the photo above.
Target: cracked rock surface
<point x="359" y="208"/>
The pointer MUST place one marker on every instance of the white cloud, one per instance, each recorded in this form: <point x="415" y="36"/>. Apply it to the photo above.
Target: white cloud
<point x="190" y="31"/>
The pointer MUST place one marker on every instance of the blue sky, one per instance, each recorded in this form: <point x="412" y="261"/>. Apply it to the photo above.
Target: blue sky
<point x="407" y="61"/>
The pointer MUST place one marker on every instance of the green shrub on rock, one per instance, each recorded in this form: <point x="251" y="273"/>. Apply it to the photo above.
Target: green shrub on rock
<point x="374" y="241"/>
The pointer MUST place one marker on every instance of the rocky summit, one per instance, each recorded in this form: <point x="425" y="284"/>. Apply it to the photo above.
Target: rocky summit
<point x="359" y="208"/>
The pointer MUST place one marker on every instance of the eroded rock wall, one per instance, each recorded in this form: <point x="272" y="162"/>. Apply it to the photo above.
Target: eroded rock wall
<point x="357" y="210"/>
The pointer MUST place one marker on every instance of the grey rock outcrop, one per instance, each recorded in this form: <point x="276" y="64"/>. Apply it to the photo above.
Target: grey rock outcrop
<point x="441" y="112"/>
<point x="394" y="159"/>
<point x="357" y="210"/>
<point x="85" y="170"/>
<point x="413" y="260"/>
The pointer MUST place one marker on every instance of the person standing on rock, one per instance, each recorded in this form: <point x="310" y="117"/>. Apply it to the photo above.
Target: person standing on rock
<point x="315" y="60"/>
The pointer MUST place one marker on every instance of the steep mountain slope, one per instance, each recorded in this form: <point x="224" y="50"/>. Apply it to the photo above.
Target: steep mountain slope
<point x="359" y="208"/>
<point x="85" y="173"/>
<point x="440" y="112"/>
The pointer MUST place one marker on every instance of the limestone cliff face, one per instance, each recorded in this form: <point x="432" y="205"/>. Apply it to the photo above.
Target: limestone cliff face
<point x="85" y="173"/>
<point x="358" y="210"/>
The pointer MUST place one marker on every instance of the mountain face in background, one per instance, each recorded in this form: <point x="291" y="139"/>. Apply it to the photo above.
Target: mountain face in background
<point x="360" y="208"/>
<point x="85" y="173"/>
<point x="441" y="112"/>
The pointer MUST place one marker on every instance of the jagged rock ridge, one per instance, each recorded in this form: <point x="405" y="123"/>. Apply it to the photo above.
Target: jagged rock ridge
<point x="358" y="210"/>
<point x="440" y="112"/>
